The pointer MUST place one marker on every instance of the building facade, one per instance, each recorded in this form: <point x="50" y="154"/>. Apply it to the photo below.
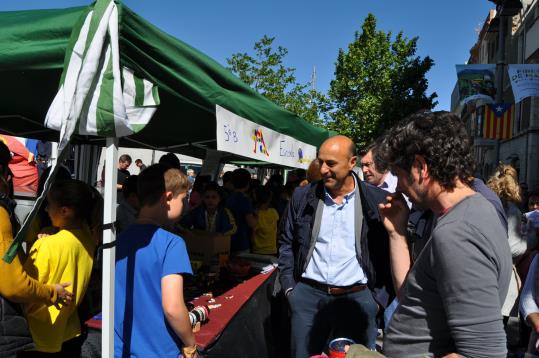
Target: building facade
<point x="521" y="46"/>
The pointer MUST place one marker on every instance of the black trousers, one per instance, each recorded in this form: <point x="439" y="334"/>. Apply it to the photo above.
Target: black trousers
<point x="70" y="349"/>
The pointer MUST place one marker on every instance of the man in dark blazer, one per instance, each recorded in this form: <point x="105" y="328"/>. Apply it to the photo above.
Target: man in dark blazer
<point x="334" y="255"/>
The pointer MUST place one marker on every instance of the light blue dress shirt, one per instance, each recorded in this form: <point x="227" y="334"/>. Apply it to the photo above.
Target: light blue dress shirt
<point x="334" y="259"/>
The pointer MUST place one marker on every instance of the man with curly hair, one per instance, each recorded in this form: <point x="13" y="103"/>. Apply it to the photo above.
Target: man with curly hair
<point x="450" y="300"/>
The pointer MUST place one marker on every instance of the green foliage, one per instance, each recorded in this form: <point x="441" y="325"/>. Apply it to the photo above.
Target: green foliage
<point x="264" y="71"/>
<point x="378" y="82"/>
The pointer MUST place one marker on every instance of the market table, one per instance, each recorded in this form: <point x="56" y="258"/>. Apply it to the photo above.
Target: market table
<point x="243" y="326"/>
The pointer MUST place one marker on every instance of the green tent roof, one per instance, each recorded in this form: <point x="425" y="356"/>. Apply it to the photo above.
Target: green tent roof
<point x="32" y="51"/>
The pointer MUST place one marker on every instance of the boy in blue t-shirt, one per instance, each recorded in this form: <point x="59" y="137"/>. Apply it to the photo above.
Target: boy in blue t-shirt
<point x="151" y="319"/>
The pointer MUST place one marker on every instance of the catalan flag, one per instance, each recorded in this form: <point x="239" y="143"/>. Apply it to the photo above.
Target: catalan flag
<point x="498" y="121"/>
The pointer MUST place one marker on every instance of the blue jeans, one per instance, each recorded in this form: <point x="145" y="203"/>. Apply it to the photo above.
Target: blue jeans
<point x="318" y="317"/>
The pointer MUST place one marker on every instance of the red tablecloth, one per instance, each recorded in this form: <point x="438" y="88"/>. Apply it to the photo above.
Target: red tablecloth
<point x="231" y="302"/>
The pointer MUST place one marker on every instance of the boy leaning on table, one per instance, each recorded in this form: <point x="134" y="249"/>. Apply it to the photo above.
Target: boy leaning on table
<point x="151" y="319"/>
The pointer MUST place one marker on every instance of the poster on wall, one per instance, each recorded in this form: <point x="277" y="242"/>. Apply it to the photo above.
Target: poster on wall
<point x="524" y="80"/>
<point x="476" y="84"/>
<point x="240" y="136"/>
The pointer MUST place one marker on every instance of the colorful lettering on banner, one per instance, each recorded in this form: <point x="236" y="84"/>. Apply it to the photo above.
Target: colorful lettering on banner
<point x="243" y="137"/>
<point x="258" y="138"/>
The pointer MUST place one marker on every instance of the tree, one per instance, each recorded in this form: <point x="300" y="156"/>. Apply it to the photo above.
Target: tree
<point x="377" y="83"/>
<point x="265" y="72"/>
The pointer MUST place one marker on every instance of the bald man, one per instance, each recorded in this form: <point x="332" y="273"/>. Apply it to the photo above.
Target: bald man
<point x="334" y="255"/>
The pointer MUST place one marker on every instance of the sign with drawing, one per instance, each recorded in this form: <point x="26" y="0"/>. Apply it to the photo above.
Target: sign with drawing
<point x="240" y="136"/>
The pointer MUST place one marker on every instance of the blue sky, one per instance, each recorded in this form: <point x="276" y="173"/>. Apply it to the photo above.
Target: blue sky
<point x="312" y="31"/>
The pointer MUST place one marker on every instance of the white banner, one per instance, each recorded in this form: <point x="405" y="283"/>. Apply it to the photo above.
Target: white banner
<point x="524" y="81"/>
<point x="240" y="136"/>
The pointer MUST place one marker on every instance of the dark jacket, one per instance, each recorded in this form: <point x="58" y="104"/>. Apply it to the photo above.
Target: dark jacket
<point x="196" y="219"/>
<point x="296" y="239"/>
<point x="14" y="333"/>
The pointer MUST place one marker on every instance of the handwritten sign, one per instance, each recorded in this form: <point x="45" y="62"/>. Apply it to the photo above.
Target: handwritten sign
<point x="240" y="136"/>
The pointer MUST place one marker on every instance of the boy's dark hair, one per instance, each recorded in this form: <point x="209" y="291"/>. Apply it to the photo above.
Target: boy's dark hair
<point x="212" y="186"/>
<point x="5" y="155"/>
<point x="85" y="200"/>
<point x="241" y="178"/>
<point x="439" y="137"/>
<point x="157" y="179"/>
<point x="200" y="183"/>
<point x="130" y="186"/>
<point x="262" y="195"/>
<point x="138" y="160"/>
<point x="61" y="174"/>
<point x="254" y="183"/>
<point x="125" y="158"/>
<point x="227" y="177"/>
<point x="276" y="180"/>
<point x="533" y="198"/>
<point x="170" y="160"/>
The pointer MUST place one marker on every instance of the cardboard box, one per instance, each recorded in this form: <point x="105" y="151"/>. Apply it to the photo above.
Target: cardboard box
<point x="210" y="248"/>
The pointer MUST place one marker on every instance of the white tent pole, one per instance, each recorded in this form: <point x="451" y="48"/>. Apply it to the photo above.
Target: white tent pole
<point x="54" y="152"/>
<point x="109" y="254"/>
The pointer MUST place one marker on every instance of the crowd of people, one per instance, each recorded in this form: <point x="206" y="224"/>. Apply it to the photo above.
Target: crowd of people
<point x="425" y="251"/>
<point x="412" y="245"/>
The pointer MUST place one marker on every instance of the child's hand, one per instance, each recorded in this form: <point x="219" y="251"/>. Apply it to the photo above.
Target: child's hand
<point x="63" y="296"/>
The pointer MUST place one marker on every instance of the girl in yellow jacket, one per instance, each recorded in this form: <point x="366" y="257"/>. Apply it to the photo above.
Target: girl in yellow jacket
<point x="66" y="256"/>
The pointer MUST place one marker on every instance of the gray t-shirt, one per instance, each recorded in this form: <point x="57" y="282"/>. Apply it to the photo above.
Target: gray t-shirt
<point x="453" y="295"/>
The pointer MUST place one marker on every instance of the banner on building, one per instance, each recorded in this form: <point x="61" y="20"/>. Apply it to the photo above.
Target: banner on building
<point x="476" y="84"/>
<point x="240" y="136"/>
<point x="498" y="121"/>
<point x="524" y="80"/>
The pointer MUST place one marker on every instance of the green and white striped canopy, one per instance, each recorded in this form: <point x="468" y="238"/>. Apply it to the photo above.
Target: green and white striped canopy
<point x="35" y="57"/>
<point x="96" y="96"/>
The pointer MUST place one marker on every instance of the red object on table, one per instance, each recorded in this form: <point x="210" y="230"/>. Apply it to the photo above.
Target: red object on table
<point x="221" y="316"/>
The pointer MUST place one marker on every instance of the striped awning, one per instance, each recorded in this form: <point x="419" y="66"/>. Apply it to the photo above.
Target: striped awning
<point x="96" y="95"/>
